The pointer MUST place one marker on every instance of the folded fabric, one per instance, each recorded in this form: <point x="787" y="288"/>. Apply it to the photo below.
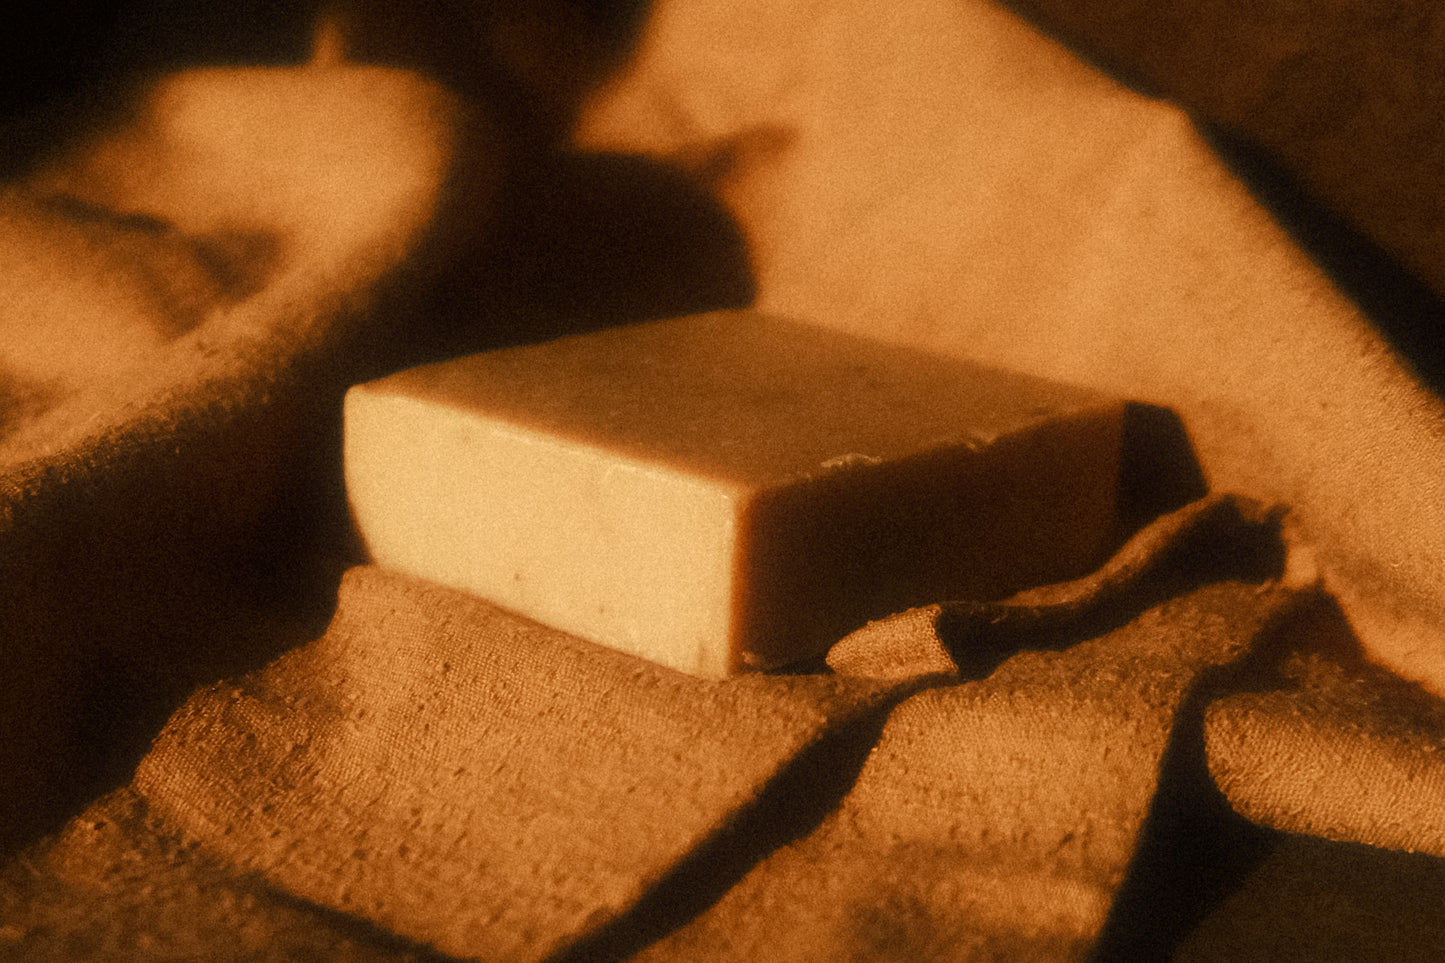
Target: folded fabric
<point x="1183" y="754"/>
<point x="118" y="884"/>
<point x="996" y="818"/>
<point x="184" y="312"/>
<point x="1347" y="96"/>
<point x="479" y="784"/>
<point x="188" y="290"/>
<point x="1340" y="750"/>
<point x="471" y="780"/>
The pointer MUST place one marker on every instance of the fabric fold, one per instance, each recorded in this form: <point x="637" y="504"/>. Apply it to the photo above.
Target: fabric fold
<point x="1186" y="547"/>
<point x="450" y="776"/>
<point x="118" y="884"/>
<point x="470" y="780"/>
<point x="966" y="185"/>
<point x="178" y="484"/>
<point x="999" y="818"/>
<point x="1340" y="749"/>
<point x="996" y="819"/>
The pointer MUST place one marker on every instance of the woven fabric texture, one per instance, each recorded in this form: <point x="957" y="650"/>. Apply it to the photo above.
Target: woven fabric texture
<point x="1225" y="744"/>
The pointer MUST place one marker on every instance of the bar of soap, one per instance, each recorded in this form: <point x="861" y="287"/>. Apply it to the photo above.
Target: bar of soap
<point x="728" y="491"/>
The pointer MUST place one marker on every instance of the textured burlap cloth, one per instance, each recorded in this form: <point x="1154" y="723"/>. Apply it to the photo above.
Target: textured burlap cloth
<point x="1194" y="753"/>
<point x="1028" y="779"/>
<point x="457" y="776"/>
<point x="187" y="288"/>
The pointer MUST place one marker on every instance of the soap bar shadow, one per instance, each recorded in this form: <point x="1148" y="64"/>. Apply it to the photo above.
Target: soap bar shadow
<point x="585" y="242"/>
<point x="1159" y="474"/>
<point x="1158" y="470"/>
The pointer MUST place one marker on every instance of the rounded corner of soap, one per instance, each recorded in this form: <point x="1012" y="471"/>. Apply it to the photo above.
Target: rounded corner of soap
<point x="361" y="390"/>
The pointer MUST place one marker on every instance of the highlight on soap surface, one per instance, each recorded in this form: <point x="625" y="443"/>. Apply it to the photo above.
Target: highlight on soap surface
<point x="728" y="491"/>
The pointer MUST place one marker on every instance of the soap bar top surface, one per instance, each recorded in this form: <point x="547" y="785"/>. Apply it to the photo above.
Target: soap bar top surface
<point x="742" y="397"/>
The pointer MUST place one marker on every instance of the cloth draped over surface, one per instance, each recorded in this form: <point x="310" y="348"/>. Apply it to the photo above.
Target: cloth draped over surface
<point x="1187" y="754"/>
<point x="459" y="777"/>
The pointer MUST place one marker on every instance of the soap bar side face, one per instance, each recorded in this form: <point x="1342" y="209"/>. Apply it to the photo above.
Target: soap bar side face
<point x="631" y="556"/>
<point x="823" y="557"/>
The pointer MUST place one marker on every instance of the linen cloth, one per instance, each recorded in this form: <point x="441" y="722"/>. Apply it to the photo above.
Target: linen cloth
<point x="1194" y="756"/>
<point x="148" y="494"/>
<point x="479" y="784"/>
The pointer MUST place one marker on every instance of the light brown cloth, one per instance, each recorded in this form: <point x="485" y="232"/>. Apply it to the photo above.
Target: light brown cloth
<point x="185" y="294"/>
<point x="179" y="455"/>
<point x="996" y="818"/>
<point x="433" y="771"/>
<point x="118" y="885"/>
<point x="1349" y="97"/>
<point x="1340" y="750"/>
<point x="953" y="180"/>
<point x="471" y="780"/>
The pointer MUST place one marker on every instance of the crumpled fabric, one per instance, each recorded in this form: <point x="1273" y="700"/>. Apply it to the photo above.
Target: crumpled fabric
<point x="473" y="781"/>
<point x="477" y="784"/>
<point x="173" y="513"/>
<point x="1338" y="750"/>
<point x="148" y="500"/>
<point x="997" y="818"/>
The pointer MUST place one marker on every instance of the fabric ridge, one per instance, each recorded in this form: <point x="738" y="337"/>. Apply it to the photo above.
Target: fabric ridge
<point x="471" y="780"/>
<point x="1340" y="751"/>
<point x="996" y="818"/>
<point x="494" y="789"/>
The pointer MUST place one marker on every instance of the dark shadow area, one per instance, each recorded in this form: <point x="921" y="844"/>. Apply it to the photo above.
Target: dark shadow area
<point x="123" y="593"/>
<point x="1149" y="49"/>
<point x="48" y="52"/>
<point x="790" y="807"/>
<point x="355" y="927"/>
<point x="1407" y="312"/>
<point x="1311" y="900"/>
<point x="1276" y="896"/>
<point x="1225" y="547"/>
<point x="1158" y="470"/>
<point x="1193" y="850"/>
<point x="64" y="69"/>
<point x="1080" y="30"/>
<point x="167" y="592"/>
<point x="530" y="63"/>
<point x="585" y="242"/>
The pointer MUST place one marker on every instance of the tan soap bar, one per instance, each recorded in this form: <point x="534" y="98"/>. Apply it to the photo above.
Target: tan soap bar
<point x="728" y="491"/>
